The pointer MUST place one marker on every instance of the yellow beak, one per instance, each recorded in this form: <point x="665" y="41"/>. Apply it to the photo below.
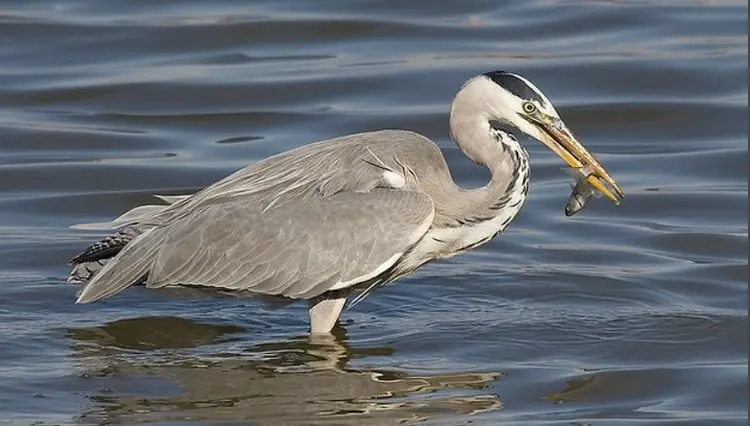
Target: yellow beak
<point x="561" y="141"/>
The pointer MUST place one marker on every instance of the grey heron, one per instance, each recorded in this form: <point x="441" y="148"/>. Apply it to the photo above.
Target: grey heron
<point x="337" y="219"/>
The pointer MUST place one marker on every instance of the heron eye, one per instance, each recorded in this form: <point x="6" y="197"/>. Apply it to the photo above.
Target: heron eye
<point x="529" y="107"/>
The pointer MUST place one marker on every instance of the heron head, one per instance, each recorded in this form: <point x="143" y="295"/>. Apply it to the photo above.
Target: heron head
<point x="516" y="102"/>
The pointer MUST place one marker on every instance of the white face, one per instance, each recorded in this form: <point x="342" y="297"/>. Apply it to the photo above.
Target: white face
<point x="513" y="101"/>
<point x="511" y="98"/>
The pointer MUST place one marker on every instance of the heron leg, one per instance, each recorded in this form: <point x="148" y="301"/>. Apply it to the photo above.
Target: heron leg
<point x="324" y="312"/>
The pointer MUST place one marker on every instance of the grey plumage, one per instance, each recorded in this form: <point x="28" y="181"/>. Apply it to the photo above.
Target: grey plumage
<point x="334" y="217"/>
<point x="339" y="185"/>
<point x="235" y="246"/>
<point x="87" y="263"/>
<point x="83" y="272"/>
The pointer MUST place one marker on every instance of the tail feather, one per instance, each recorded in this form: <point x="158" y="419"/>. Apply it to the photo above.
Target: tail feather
<point x="171" y="199"/>
<point x="134" y="215"/>
<point x="116" y="262"/>
<point x="82" y="273"/>
<point x="130" y="224"/>
<point x="128" y="268"/>
<point x="108" y="246"/>
<point x="139" y="214"/>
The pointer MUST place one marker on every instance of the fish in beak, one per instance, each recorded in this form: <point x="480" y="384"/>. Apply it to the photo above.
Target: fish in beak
<point x="557" y="137"/>
<point x="581" y="191"/>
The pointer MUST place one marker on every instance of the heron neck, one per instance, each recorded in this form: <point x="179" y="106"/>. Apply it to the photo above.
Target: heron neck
<point x="507" y="162"/>
<point x="502" y="196"/>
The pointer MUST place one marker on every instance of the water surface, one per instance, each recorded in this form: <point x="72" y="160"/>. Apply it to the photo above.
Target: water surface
<point x="630" y="315"/>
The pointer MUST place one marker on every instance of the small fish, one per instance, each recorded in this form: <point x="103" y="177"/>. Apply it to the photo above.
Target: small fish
<point x="582" y="191"/>
<point x="581" y="194"/>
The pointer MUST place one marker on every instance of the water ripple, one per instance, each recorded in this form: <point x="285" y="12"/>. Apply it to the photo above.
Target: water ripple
<point x="630" y="315"/>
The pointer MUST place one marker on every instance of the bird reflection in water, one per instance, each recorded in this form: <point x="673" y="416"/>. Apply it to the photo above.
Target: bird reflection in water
<point x="297" y="381"/>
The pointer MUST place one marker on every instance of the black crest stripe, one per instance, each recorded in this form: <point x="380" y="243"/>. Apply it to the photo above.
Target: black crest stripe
<point x="515" y="85"/>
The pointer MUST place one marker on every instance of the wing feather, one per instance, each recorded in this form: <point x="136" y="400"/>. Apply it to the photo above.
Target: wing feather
<point x="349" y="236"/>
<point x="240" y="231"/>
<point x="347" y="239"/>
<point x="129" y="267"/>
<point x="343" y="164"/>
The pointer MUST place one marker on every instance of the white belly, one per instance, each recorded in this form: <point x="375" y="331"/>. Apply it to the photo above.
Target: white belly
<point x="448" y="242"/>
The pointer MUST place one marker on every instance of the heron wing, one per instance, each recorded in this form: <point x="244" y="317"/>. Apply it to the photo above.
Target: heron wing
<point x="300" y="250"/>
<point x="349" y="163"/>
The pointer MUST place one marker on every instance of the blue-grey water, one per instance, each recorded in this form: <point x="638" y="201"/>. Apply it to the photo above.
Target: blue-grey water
<point x="630" y="315"/>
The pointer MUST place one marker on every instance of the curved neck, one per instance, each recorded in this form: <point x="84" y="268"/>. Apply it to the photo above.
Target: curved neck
<point x="507" y="161"/>
<point x="470" y="125"/>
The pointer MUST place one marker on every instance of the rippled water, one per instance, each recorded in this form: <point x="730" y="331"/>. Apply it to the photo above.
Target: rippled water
<point x="634" y="315"/>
